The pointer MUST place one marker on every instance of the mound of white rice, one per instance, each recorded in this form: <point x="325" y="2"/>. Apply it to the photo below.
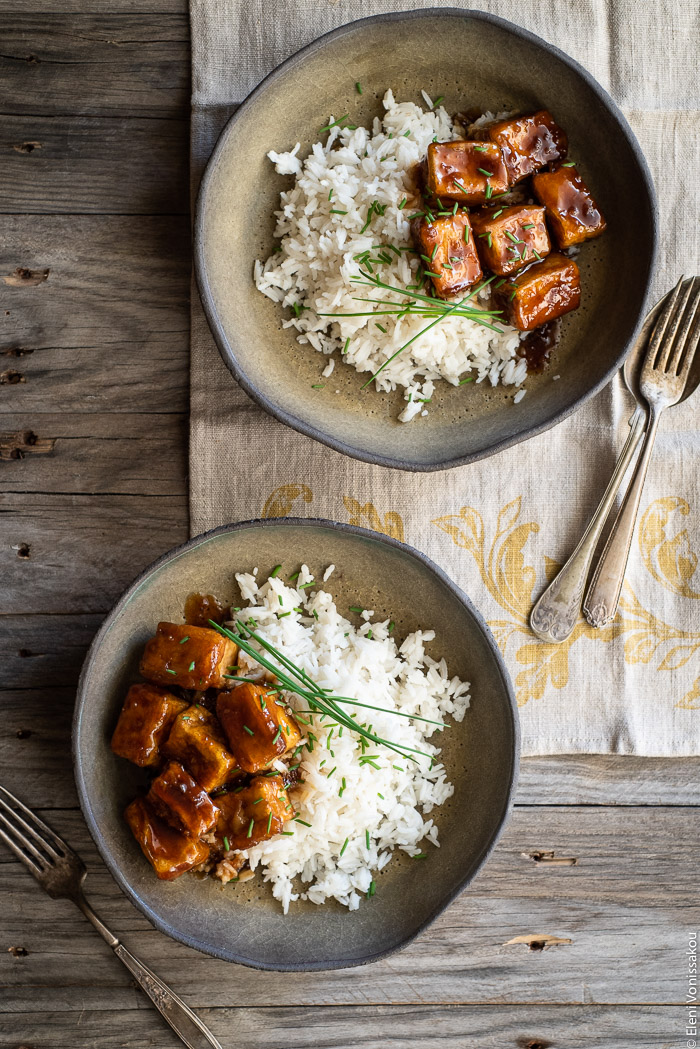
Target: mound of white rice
<point x="360" y="173"/>
<point x="356" y="804"/>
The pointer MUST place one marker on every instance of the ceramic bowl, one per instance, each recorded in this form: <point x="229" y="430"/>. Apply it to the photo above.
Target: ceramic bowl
<point x="474" y="60"/>
<point x="244" y="923"/>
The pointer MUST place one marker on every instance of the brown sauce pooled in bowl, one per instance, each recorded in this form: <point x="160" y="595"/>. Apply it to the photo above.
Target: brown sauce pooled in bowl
<point x="538" y="344"/>
<point x="200" y="608"/>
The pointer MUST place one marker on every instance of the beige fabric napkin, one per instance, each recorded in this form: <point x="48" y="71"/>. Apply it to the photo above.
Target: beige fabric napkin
<point x="635" y="686"/>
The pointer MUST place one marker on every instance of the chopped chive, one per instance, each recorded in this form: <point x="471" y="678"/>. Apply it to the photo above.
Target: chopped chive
<point x="463" y="381"/>
<point x="512" y="295"/>
<point x="248" y="730"/>
<point x="367" y="838"/>
<point x="481" y="149"/>
<point x="497" y="213"/>
<point x="345" y="845"/>
<point x="483" y="171"/>
<point x="403" y="203"/>
<point x="257" y="801"/>
<point x="466" y="234"/>
<point x="345" y="347"/>
<point x="369" y="634"/>
<point x="569" y="164"/>
<point x="358" y="87"/>
<point x="191" y="666"/>
<point x="460" y="187"/>
<point x="398" y="768"/>
<point x="226" y="844"/>
<point x="431" y="273"/>
<point x="381" y="327"/>
<point x="250" y="828"/>
<point x="288" y="833"/>
<point x="293" y="577"/>
<point x="420" y="856"/>
<point x="334" y="124"/>
<point x="167" y="671"/>
<point x="406" y="134"/>
<point x="298" y="819"/>
<point x="281" y="615"/>
<point x="274" y="571"/>
<point x="337" y="211"/>
<point x="437" y="101"/>
<point x="511" y="236"/>
<point x="305" y="586"/>
<point x="433" y="253"/>
<point x="356" y="608"/>
<point x="277" y="735"/>
<point x="380" y="795"/>
<point x="314" y="613"/>
<point x="489" y="191"/>
<point x="537" y="254"/>
<point x="280" y="599"/>
<point x="269" y="821"/>
<point x="184" y="639"/>
<point x="332" y="770"/>
<point x="529" y="225"/>
<point x="392" y="624"/>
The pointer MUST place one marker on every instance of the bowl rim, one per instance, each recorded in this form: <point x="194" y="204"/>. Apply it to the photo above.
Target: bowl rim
<point x="80" y="703"/>
<point x="309" y="429"/>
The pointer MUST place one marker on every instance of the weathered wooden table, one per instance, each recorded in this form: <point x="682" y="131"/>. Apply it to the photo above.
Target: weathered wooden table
<point x="576" y="934"/>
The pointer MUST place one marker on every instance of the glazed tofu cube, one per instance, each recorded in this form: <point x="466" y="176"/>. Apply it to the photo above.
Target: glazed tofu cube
<point x="169" y="852"/>
<point x="509" y="238"/>
<point x="257" y="726"/>
<point x="189" y="656"/>
<point x="446" y="246"/>
<point x="527" y="143"/>
<point x="178" y="799"/>
<point x="254" y="814"/>
<point x="572" y="212"/>
<point x="540" y="293"/>
<point x="471" y="172"/>
<point x="197" y="742"/>
<point x="144" y="723"/>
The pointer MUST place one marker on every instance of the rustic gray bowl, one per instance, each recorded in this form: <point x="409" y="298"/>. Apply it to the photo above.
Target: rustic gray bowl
<point x="473" y="59"/>
<point x="244" y="924"/>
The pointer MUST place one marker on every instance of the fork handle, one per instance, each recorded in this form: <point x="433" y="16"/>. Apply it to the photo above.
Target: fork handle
<point x="601" y="601"/>
<point x="183" y="1021"/>
<point x="556" y="612"/>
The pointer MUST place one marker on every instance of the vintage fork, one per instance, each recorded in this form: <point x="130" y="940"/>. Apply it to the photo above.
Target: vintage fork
<point x="662" y="381"/>
<point x="62" y="873"/>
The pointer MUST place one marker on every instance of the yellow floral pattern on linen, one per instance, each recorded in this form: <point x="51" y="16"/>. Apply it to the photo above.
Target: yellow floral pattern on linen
<point x="280" y="502"/>
<point x="366" y="515"/>
<point x="512" y="583"/>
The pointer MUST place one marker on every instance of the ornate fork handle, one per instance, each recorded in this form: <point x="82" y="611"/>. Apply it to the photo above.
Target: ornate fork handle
<point x="603" y="594"/>
<point x="554" y="615"/>
<point x="180" y="1017"/>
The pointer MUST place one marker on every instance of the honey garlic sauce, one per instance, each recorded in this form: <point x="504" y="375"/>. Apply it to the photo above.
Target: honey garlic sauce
<point x="537" y="346"/>
<point x="200" y="608"/>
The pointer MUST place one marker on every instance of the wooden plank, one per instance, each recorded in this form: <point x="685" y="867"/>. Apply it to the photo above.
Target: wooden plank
<point x="609" y="779"/>
<point x="40" y="652"/>
<point x="386" y="1027"/>
<point x="108" y="281"/>
<point x="95" y="64"/>
<point x="94" y="453"/>
<point x="83" y="550"/>
<point x="118" y="165"/>
<point x="100" y="377"/>
<point x="625" y="907"/>
<point x="132" y="7"/>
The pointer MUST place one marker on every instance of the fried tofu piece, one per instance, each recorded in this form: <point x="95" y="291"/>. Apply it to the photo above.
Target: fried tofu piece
<point x="448" y="251"/>
<point x="527" y="143"/>
<point x="197" y="742"/>
<point x="178" y="799"/>
<point x="169" y="852"/>
<point x="254" y="814"/>
<point x="572" y="212"/>
<point x="144" y="723"/>
<point x="189" y="656"/>
<point x="541" y="293"/>
<point x="509" y="238"/>
<point x="257" y="726"/>
<point x="470" y="172"/>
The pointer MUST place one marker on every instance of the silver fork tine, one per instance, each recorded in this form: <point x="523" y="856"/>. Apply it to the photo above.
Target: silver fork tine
<point x="684" y="343"/>
<point x="6" y="810"/>
<point x="59" y="846"/>
<point x="11" y="843"/>
<point x="671" y="335"/>
<point x="659" y="332"/>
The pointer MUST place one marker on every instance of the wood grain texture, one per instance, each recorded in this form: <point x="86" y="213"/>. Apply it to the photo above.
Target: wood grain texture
<point x="108" y="165"/>
<point x="94" y="64"/>
<point x="93" y="453"/>
<point x="84" y="550"/>
<point x="365" y="1027"/>
<point x="627" y="912"/>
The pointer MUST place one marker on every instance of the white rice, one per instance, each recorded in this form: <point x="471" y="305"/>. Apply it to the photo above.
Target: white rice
<point x="315" y="263"/>
<point x="343" y="799"/>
